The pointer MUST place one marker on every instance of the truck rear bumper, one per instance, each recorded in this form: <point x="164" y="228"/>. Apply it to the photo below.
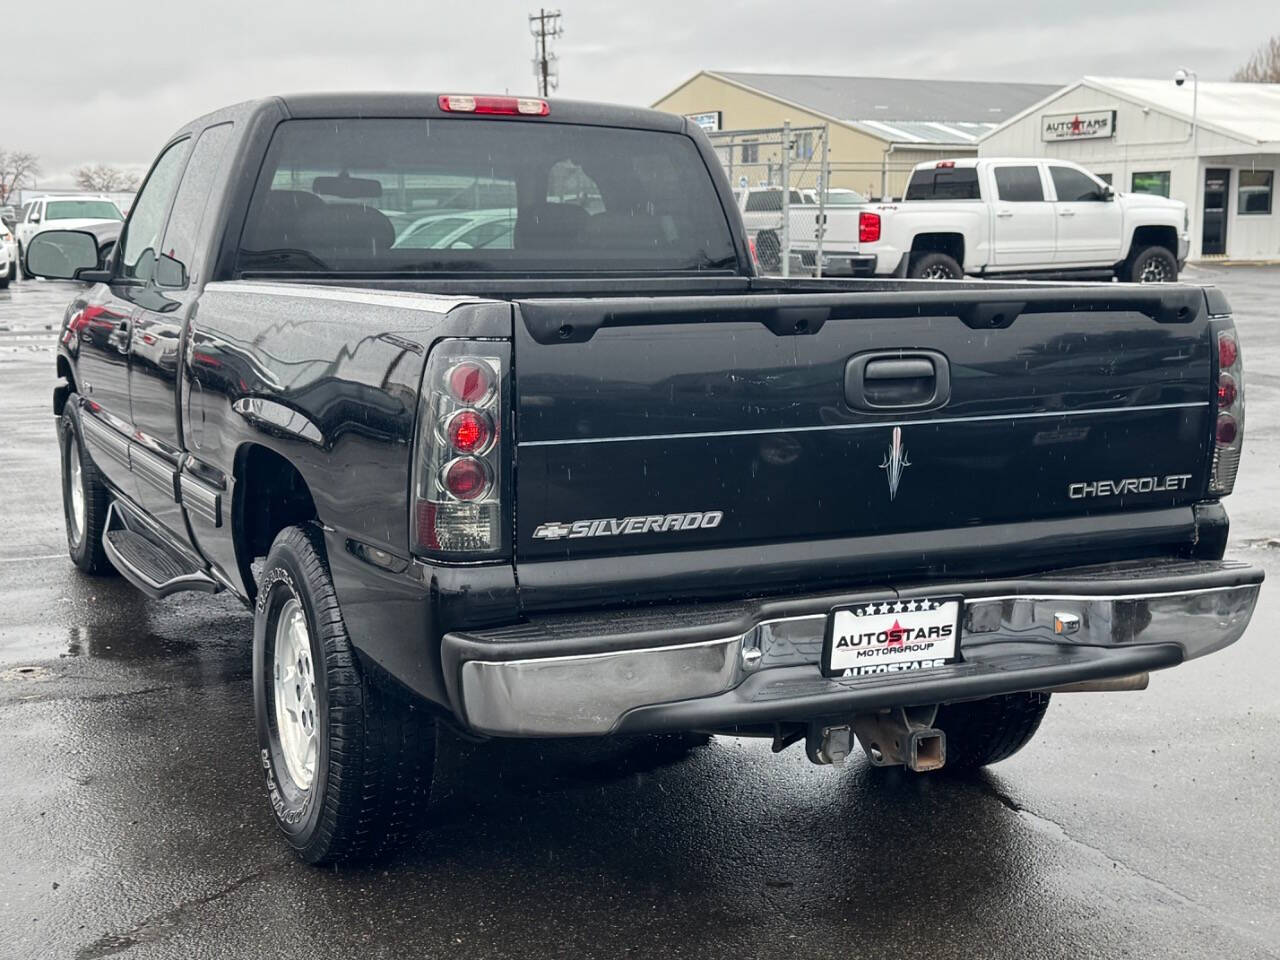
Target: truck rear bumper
<point x="699" y="667"/>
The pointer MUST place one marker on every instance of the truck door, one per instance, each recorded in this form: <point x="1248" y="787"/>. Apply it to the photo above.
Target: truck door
<point x="155" y="352"/>
<point x="1089" y="220"/>
<point x="1022" y="228"/>
<point x="106" y="328"/>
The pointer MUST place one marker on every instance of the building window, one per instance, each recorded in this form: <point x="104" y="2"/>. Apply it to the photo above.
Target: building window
<point x="1104" y="177"/>
<point x="751" y="152"/>
<point x="1255" y="191"/>
<point x="1156" y="182"/>
<point x="803" y="148"/>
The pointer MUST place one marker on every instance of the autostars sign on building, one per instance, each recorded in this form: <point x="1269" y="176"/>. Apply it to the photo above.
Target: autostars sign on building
<point x="1090" y="125"/>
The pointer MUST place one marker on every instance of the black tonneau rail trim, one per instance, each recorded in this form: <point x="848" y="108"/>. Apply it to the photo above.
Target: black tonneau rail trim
<point x="574" y="320"/>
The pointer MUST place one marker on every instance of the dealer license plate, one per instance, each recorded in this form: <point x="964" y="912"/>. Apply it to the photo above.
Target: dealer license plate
<point x="890" y="636"/>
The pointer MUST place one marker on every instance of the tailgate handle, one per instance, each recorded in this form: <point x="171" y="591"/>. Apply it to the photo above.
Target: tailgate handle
<point x="917" y="369"/>
<point x="883" y="380"/>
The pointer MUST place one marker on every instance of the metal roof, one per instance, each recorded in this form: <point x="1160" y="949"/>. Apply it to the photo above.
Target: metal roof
<point x="1249" y="111"/>
<point x="904" y="111"/>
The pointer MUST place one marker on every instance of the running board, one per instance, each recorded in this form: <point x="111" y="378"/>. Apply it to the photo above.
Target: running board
<point x="141" y="556"/>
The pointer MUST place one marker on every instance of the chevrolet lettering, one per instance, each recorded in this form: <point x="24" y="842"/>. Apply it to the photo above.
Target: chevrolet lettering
<point x="567" y="465"/>
<point x="1128" y="485"/>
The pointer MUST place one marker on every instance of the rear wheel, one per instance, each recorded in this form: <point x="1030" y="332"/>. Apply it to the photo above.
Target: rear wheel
<point x="22" y="272"/>
<point x="85" y="497"/>
<point x="1152" y="265"/>
<point x="934" y="266"/>
<point x="348" y="764"/>
<point x="981" y="732"/>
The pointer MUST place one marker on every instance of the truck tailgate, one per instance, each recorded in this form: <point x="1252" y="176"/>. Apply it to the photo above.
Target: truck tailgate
<point x="660" y="425"/>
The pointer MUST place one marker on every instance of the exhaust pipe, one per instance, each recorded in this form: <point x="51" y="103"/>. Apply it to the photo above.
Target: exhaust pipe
<point x="1135" y="681"/>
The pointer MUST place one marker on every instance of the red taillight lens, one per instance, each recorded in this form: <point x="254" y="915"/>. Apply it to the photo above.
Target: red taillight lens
<point x="494" y="106"/>
<point x="470" y="382"/>
<point x="459" y="457"/>
<point x="1226" y="391"/>
<point x="1227" y="430"/>
<point x="465" y="478"/>
<point x="469" y="431"/>
<point x="868" y="227"/>
<point x="1228" y="350"/>
<point x="1228" y="427"/>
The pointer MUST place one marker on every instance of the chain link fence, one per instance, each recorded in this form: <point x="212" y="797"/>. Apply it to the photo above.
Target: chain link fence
<point x="787" y="228"/>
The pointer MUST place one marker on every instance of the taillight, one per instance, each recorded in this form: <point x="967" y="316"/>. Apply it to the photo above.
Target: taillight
<point x="755" y="258"/>
<point x="868" y="227"/>
<point x="493" y="106"/>
<point x="458" y="460"/>
<point x="1228" y="428"/>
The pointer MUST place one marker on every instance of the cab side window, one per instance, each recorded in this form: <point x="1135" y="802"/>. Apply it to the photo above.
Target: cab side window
<point x="190" y="204"/>
<point x="146" y="220"/>
<point x="1019" y="184"/>
<point x="1072" y="186"/>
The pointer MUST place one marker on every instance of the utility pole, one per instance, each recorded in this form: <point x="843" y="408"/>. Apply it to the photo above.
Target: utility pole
<point x="545" y="25"/>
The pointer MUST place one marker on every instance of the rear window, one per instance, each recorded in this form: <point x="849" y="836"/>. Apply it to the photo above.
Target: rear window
<point x="416" y="196"/>
<point x="945" y="183"/>
<point x="82" y="210"/>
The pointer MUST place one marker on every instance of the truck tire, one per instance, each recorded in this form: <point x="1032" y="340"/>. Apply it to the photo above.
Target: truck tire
<point x="934" y="266"/>
<point x="22" y="269"/>
<point x="348" y="763"/>
<point x="981" y="732"/>
<point x="768" y="250"/>
<point x="1152" y="265"/>
<point x="85" y="497"/>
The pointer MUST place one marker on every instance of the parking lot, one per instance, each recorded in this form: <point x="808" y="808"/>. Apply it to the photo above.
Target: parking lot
<point x="1136" y="824"/>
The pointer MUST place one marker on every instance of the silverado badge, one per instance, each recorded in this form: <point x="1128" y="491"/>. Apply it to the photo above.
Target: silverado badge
<point x="895" y="461"/>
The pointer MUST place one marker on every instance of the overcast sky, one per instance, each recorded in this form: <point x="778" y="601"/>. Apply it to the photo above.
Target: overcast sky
<point x="108" y="81"/>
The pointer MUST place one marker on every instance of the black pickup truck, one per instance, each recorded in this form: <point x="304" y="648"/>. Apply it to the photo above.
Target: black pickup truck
<point x="480" y="404"/>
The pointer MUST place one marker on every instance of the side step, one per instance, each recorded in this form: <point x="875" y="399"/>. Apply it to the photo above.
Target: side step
<point x="145" y="560"/>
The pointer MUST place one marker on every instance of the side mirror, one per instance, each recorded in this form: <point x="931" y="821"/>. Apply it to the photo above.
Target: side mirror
<point x="61" y="254"/>
<point x="35" y="218"/>
<point x="1108" y="193"/>
<point x="170" y="273"/>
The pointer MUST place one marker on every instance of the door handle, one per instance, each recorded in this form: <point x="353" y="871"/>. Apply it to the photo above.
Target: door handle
<point x="888" y="380"/>
<point x="1004" y="214"/>
<point x="1066" y="213"/>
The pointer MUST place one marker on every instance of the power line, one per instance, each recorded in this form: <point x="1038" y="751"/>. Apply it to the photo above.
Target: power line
<point x="545" y="25"/>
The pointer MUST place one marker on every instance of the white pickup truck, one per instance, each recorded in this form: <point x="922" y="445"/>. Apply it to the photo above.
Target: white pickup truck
<point x="982" y="216"/>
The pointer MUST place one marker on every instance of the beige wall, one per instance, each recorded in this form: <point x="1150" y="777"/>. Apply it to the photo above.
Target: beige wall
<point x="858" y="161"/>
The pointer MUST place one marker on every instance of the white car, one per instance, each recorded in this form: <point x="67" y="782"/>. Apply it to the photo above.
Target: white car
<point x="1019" y="216"/>
<point x="460" y="230"/>
<point x="70" y="212"/>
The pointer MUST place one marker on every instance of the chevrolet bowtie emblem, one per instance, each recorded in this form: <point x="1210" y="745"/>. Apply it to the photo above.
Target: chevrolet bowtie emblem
<point x="895" y="461"/>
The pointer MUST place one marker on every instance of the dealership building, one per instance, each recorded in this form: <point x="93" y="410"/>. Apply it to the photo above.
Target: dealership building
<point x="1216" y="148"/>
<point x="879" y="127"/>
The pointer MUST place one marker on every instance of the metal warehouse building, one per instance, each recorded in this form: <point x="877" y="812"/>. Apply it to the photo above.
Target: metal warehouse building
<point x="1216" y="148"/>
<point x="879" y="127"/>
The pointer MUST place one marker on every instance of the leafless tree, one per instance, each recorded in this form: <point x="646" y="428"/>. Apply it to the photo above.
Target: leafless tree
<point x="102" y="178"/>
<point x="17" y="170"/>
<point x="1263" y="66"/>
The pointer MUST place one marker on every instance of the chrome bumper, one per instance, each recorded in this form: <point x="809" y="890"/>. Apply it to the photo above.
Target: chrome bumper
<point x="1009" y="642"/>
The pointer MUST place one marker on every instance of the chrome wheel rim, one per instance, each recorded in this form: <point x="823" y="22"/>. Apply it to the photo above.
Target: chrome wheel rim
<point x="937" y="272"/>
<point x="76" y="485"/>
<point x="1154" y="271"/>
<point x="295" y="694"/>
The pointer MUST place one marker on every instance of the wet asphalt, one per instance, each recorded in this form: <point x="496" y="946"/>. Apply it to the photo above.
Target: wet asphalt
<point x="133" y="820"/>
